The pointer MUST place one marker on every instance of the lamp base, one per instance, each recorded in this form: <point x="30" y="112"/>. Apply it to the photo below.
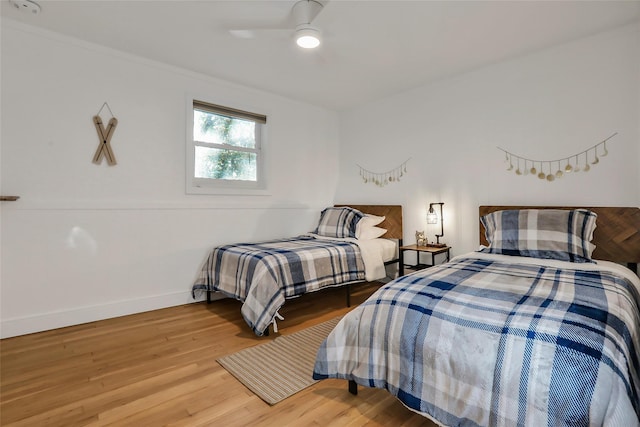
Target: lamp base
<point x="436" y="245"/>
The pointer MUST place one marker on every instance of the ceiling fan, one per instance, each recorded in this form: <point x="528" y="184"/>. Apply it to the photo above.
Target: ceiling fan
<point x="306" y="35"/>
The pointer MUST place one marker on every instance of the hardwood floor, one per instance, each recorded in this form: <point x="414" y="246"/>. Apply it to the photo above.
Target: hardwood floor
<point x="159" y="368"/>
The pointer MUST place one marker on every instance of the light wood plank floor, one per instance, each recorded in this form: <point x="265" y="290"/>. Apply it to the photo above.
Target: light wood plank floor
<point x="159" y="368"/>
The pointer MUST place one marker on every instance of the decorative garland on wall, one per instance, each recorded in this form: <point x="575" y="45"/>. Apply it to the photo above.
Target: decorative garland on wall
<point x="383" y="178"/>
<point x="564" y="165"/>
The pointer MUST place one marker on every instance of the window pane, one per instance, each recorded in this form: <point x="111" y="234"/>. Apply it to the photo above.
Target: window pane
<point x="216" y="163"/>
<point x="217" y="129"/>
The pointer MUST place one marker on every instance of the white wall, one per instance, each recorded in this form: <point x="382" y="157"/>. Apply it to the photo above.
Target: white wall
<point x="86" y="241"/>
<point x="547" y="105"/>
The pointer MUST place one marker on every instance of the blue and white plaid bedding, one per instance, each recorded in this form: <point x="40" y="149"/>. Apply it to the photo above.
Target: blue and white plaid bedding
<point x="263" y="274"/>
<point x="481" y="341"/>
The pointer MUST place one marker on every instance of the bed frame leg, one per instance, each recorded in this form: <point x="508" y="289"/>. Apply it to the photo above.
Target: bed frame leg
<point x="348" y="295"/>
<point x="266" y="332"/>
<point x="353" y="387"/>
<point x="208" y="297"/>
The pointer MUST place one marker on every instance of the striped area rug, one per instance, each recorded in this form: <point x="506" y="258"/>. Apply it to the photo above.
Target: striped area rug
<point x="282" y="367"/>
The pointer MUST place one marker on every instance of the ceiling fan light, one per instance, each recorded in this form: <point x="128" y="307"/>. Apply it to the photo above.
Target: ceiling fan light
<point x="308" y="38"/>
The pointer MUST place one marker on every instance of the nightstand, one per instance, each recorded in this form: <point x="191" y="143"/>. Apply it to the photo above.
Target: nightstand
<point x="422" y="249"/>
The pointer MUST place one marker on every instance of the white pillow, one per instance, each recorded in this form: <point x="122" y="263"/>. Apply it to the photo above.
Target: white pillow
<point x="370" y="233"/>
<point x="366" y="222"/>
<point x="371" y="220"/>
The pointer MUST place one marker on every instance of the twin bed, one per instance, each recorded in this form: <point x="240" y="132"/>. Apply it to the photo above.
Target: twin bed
<point x="350" y="244"/>
<point x="530" y="330"/>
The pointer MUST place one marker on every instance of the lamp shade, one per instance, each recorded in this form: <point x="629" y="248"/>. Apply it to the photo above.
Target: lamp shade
<point x="307" y="37"/>
<point x="432" y="217"/>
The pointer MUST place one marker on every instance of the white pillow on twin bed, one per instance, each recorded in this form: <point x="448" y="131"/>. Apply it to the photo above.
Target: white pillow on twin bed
<point x="366" y="228"/>
<point x="370" y="233"/>
<point x="371" y="220"/>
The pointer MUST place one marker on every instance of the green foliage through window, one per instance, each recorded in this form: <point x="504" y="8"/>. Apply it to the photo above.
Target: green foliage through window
<point x="226" y="147"/>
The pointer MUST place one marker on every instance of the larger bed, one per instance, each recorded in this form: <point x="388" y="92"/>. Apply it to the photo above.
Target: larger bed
<point x="529" y="331"/>
<point x="351" y="244"/>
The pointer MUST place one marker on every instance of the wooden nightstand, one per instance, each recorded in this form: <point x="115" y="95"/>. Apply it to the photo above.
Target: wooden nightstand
<point x="422" y="249"/>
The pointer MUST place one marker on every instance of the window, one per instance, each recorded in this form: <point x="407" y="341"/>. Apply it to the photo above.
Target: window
<point x="224" y="149"/>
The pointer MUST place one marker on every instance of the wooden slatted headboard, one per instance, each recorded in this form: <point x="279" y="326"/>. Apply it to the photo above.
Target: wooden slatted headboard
<point x="392" y="214"/>
<point x="617" y="233"/>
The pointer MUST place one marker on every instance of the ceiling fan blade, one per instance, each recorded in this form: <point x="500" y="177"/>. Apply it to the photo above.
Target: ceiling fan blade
<point x="243" y="34"/>
<point x="252" y="33"/>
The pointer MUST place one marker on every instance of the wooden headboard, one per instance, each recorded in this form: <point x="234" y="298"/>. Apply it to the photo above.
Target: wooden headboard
<point x="392" y="214"/>
<point x="617" y="233"/>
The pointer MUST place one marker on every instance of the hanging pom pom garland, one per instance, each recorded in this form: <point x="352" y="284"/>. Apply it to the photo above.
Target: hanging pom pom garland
<point x="554" y="169"/>
<point x="383" y="178"/>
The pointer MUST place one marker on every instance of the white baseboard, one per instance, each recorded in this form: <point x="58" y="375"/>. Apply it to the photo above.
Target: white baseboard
<point x="59" y="319"/>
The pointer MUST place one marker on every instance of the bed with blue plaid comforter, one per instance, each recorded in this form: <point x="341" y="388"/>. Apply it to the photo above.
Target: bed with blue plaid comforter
<point x="493" y="340"/>
<point x="263" y="275"/>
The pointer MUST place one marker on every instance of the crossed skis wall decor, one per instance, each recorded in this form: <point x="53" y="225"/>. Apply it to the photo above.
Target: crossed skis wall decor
<point x="104" y="149"/>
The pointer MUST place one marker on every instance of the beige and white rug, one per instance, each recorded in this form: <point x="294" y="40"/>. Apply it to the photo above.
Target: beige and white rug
<point x="282" y="367"/>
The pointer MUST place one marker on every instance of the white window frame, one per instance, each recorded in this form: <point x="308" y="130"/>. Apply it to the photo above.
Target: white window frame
<point x="224" y="186"/>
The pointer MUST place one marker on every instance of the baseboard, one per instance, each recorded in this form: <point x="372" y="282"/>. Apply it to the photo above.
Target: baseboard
<point x="59" y="319"/>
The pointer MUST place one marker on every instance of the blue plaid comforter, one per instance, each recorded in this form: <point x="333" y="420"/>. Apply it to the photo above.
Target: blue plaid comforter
<point x="263" y="275"/>
<point x="481" y="341"/>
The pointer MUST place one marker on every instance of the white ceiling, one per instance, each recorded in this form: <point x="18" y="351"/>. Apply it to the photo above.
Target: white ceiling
<point x="372" y="48"/>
